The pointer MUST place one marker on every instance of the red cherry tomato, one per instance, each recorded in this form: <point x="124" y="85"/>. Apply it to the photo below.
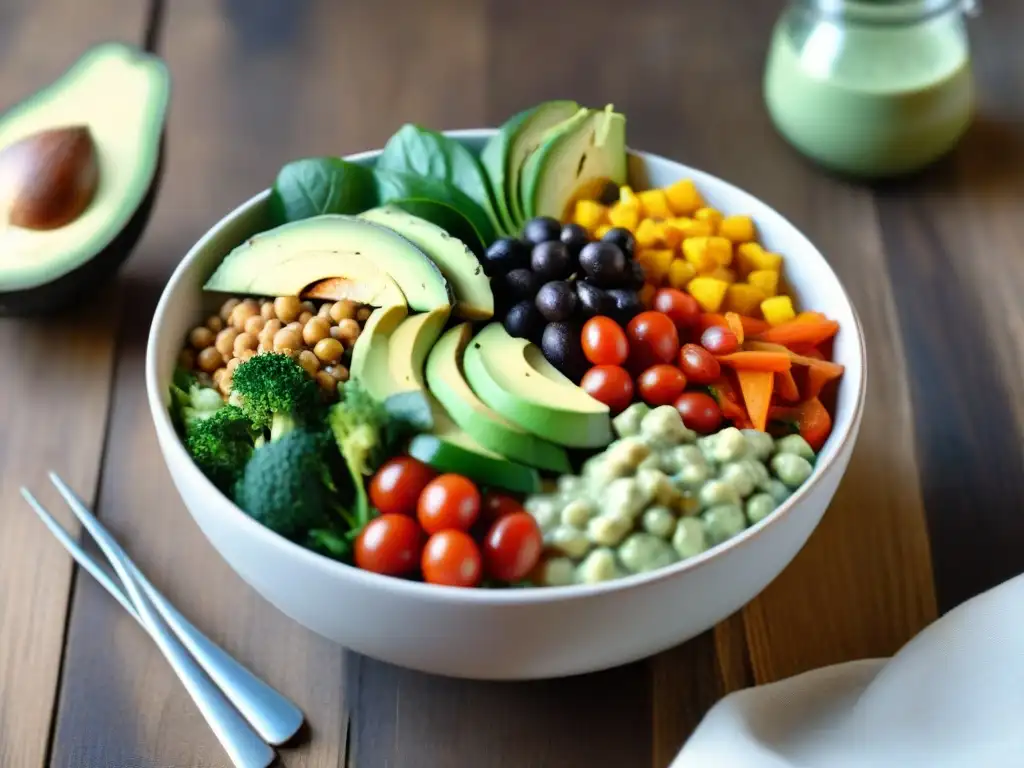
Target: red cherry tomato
<point x="396" y="486"/>
<point x="661" y="384"/>
<point x="700" y="412"/>
<point x="682" y="309"/>
<point x="698" y="364"/>
<point x="448" y="502"/>
<point x="610" y="385"/>
<point x="512" y="547"/>
<point x="389" y="544"/>
<point x="451" y="558"/>
<point x="652" y="339"/>
<point x="495" y="506"/>
<point x="719" y="341"/>
<point x="604" y="341"/>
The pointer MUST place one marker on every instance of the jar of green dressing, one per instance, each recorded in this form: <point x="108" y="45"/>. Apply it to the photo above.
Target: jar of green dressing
<point x="871" y="88"/>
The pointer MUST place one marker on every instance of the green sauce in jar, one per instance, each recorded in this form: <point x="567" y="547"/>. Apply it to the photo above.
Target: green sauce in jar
<point x="871" y="88"/>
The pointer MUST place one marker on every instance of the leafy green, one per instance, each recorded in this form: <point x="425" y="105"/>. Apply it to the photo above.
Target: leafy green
<point x="318" y="185"/>
<point x="417" y="150"/>
<point x="331" y="543"/>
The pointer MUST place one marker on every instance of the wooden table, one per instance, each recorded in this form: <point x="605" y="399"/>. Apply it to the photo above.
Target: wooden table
<point x="927" y="516"/>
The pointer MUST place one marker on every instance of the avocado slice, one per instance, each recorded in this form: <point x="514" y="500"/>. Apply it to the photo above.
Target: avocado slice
<point x="471" y="287"/>
<point x="576" y="159"/>
<point x="119" y="94"/>
<point x="389" y="355"/>
<point x="511" y="376"/>
<point x="369" y="363"/>
<point x="486" y="426"/>
<point x="505" y="153"/>
<point x="287" y="259"/>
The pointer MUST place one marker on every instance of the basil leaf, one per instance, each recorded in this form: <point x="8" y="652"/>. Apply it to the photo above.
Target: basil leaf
<point x="317" y="185"/>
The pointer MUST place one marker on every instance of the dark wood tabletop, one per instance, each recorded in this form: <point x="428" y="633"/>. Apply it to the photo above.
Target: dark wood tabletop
<point x="928" y="514"/>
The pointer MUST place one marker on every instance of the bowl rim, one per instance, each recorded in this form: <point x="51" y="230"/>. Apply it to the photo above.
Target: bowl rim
<point x="169" y="440"/>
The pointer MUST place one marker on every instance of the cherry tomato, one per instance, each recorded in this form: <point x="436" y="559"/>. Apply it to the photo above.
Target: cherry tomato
<point x="698" y="364"/>
<point x="451" y="558"/>
<point x="653" y="339"/>
<point x="719" y="341"/>
<point x="610" y="385"/>
<point x="682" y="309"/>
<point x="512" y="547"/>
<point x="604" y="341"/>
<point x="396" y="486"/>
<point x="448" y="502"/>
<point x="495" y="506"/>
<point x="389" y="544"/>
<point x="700" y="412"/>
<point x="661" y="384"/>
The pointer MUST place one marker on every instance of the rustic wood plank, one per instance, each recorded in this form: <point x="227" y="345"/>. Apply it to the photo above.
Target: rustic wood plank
<point x="55" y="379"/>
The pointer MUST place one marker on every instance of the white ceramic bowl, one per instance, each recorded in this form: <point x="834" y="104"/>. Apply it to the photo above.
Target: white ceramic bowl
<point x="521" y="633"/>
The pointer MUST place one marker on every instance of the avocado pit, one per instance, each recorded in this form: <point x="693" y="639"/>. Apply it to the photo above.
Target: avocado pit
<point x="47" y="179"/>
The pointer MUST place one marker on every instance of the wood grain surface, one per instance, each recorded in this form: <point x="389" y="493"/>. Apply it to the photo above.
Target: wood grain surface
<point x="927" y="515"/>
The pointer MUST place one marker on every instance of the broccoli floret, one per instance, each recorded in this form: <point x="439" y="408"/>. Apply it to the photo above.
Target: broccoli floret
<point x="285" y="485"/>
<point x="221" y="444"/>
<point x="190" y="400"/>
<point x="276" y="393"/>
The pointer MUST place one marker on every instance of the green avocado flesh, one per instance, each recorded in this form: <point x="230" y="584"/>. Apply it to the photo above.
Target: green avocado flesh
<point x="485" y="425"/>
<point x="471" y="287"/>
<point x="575" y="159"/>
<point x="390" y="353"/>
<point x="289" y="258"/>
<point x="120" y="94"/>
<point x="511" y="376"/>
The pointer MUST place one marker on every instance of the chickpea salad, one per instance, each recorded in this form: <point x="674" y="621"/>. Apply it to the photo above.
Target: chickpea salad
<point x="504" y="368"/>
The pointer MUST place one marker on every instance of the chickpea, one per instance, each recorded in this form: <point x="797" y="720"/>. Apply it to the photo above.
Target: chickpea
<point x="337" y="333"/>
<point x="316" y="329"/>
<point x="201" y="337"/>
<point x="328" y="350"/>
<point x="226" y="382"/>
<point x="287" y="308"/>
<point x="243" y="342"/>
<point x="327" y="382"/>
<point x="346" y="308"/>
<point x="227" y="308"/>
<point x="219" y="374"/>
<point x="305" y="317"/>
<point x="187" y="359"/>
<point x="287" y="339"/>
<point x="308" y="306"/>
<point x="233" y="363"/>
<point x="363" y="314"/>
<point x="296" y="326"/>
<point x="210" y="360"/>
<point x="339" y="372"/>
<point x="348" y="332"/>
<point x="247" y="354"/>
<point x="214" y="323"/>
<point x="254" y="325"/>
<point x="325" y="311"/>
<point x="309" y="361"/>
<point x="267" y="310"/>
<point x="242" y="313"/>
<point x="226" y="340"/>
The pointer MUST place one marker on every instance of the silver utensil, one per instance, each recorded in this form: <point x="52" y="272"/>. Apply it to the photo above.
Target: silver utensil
<point x="274" y="718"/>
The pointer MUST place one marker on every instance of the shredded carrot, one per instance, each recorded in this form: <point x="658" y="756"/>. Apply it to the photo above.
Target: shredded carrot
<point x="729" y="401"/>
<point x="735" y="325"/>
<point x="811" y="417"/>
<point x="811" y="331"/>
<point x="757" y="387"/>
<point x="753" y="325"/>
<point x="786" y="386"/>
<point x="819" y="372"/>
<point x="757" y="361"/>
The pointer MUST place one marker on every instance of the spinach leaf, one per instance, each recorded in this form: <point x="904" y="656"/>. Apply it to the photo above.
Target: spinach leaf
<point x="396" y="186"/>
<point x="417" y="150"/>
<point x="318" y="185"/>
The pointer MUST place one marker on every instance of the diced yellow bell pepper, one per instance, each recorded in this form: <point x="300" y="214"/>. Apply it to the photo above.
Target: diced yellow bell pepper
<point x="655" y="262"/>
<point x="708" y="291"/>
<point x="706" y="253"/>
<point x="711" y="216"/>
<point x="680" y="272"/>
<point x="628" y="196"/>
<point x="602" y="231"/>
<point x="690" y="227"/>
<point x="670" y="236"/>
<point x="739" y="229"/>
<point x="744" y="299"/>
<point x="751" y="257"/>
<point x="646" y="295"/>
<point x="683" y="197"/>
<point x="589" y="214"/>
<point x="648" y="234"/>
<point x="623" y="214"/>
<point x="655" y="203"/>
<point x="765" y="279"/>
<point x="722" y="273"/>
<point x="777" y="309"/>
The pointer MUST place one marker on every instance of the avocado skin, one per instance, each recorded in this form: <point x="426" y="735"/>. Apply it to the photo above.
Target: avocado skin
<point x="55" y="296"/>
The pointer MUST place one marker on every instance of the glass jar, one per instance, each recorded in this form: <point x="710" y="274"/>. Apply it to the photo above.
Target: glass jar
<point x="871" y="88"/>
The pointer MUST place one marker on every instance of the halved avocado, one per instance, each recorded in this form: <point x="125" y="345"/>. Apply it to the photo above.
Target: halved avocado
<point x="512" y="377"/>
<point x="118" y="96"/>
<point x="576" y="159"/>
<point x="486" y="426"/>
<point x="290" y="258"/>
<point x="460" y="266"/>
<point x="390" y="353"/>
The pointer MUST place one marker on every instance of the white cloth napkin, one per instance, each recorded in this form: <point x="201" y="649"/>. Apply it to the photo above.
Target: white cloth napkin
<point x="953" y="697"/>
